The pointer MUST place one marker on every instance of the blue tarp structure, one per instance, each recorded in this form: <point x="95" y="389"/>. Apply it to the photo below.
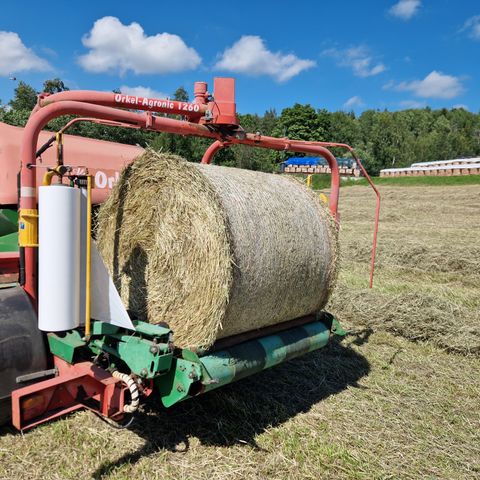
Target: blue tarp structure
<point x="313" y="161"/>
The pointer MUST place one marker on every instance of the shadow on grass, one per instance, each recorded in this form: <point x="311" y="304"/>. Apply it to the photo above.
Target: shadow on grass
<point x="360" y="337"/>
<point x="236" y="414"/>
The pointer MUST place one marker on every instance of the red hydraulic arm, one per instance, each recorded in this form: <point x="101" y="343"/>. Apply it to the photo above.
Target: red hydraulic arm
<point x="119" y="100"/>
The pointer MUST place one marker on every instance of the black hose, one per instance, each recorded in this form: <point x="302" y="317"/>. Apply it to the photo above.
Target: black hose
<point x="45" y="146"/>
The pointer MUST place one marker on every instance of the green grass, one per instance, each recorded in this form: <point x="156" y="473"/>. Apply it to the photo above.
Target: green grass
<point x="322" y="181"/>
<point x="422" y="181"/>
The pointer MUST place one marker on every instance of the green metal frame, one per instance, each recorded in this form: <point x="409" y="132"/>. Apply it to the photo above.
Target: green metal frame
<point x="146" y="353"/>
<point x="8" y="230"/>
<point x="179" y="374"/>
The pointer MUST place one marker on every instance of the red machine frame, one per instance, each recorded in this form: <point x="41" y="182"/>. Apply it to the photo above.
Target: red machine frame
<point x="208" y="116"/>
<point x="40" y="402"/>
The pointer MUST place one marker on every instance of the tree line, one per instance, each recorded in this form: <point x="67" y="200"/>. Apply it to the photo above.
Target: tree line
<point x="383" y="139"/>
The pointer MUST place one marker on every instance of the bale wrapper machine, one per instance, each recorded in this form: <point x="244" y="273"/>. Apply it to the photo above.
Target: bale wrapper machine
<point x="60" y="350"/>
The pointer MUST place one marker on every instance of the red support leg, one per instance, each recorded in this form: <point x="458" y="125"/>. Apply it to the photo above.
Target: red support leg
<point x="83" y="385"/>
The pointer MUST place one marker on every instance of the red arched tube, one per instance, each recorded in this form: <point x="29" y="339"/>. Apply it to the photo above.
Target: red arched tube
<point x="29" y="145"/>
<point x="290" y="145"/>
<point x="300" y="146"/>
<point x="378" y="201"/>
<point x="211" y="151"/>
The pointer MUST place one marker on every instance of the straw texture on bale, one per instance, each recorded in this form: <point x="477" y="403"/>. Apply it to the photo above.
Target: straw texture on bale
<point x="215" y="251"/>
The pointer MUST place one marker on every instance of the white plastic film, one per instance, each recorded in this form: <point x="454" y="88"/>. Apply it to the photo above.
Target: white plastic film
<point x="59" y="258"/>
<point x="106" y="304"/>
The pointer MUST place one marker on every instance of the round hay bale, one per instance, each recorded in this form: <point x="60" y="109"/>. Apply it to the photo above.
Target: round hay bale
<point x="215" y="251"/>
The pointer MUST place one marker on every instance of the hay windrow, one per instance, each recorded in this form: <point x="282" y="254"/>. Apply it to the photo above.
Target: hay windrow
<point x="215" y="251"/>
<point x="426" y="286"/>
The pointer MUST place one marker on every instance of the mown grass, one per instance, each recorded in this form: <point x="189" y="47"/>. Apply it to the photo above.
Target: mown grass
<point x="427" y="281"/>
<point x="392" y="400"/>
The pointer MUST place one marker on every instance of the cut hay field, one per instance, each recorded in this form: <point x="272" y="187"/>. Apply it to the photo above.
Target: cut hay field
<point x="399" y="397"/>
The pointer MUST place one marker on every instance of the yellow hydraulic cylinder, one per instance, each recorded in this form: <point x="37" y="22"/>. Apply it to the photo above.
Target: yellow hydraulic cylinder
<point x="88" y="257"/>
<point x="323" y="198"/>
<point x="28" y="227"/>
<point x="309" y="181"/>
<point x="47" y="178"/>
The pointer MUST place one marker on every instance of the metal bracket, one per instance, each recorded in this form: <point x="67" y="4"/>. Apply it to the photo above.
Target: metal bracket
<point x="33" y="376"/>
<point x="337" y="329"/>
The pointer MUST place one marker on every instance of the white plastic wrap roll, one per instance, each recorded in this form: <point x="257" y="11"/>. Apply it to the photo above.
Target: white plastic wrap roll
<point x="59" y="258"/>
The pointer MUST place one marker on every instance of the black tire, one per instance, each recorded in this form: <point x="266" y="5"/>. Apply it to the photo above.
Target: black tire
<point x="22" y="345"/>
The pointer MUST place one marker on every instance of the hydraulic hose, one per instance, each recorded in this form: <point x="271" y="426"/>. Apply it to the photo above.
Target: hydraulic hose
<point x="132" y="387"/>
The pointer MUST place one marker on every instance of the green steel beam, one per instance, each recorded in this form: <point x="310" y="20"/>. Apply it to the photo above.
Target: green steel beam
<point x="8" y="221"/>
<point x="250" y="357"/>
<point x="9" y="242"/>
<point x="66" y="345"/>
<point x="191" y="375"/>
<point x="143" y="357"/>
<point x="146" y="353"/>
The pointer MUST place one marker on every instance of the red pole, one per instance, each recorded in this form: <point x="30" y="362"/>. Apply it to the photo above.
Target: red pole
<point x="377" y="214"/>
<point x="378" y="201"/>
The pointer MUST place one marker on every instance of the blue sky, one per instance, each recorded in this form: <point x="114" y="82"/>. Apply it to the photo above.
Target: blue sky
<point x="332" y="54"/>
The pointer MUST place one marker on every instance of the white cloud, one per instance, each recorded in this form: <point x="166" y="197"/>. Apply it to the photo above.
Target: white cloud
<point x="16" y="57"/>
<point x="353" y="102"/>
<point x="250" y="56"/>
<point x="462" y="106"/>
<point x="358" y="58"/>
<point x="472" y="26"/>
<point x="405" y="9"/>
<point x="434" y="85"/>
<point x="390" y="85"/>
<point x="141" y="91"/>
<point x="115" y="47"/>
<point x="412" y="104"/>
